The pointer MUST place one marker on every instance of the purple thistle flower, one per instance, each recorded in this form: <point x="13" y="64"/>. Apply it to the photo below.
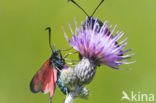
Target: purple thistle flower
<point x="98" y="44"/>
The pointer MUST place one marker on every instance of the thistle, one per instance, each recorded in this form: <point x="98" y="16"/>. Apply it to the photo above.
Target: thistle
<point x="97" y="45"/>
<point x="69" y="78"/>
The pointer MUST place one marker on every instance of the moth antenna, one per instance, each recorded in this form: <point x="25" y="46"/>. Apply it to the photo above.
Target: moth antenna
<point x="49" y="29"/>
<point x="78" y="6"/>
<point x="97" y="8"/>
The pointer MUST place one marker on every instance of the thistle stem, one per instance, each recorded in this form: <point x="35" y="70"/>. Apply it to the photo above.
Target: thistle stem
<point x="71" y="97"/>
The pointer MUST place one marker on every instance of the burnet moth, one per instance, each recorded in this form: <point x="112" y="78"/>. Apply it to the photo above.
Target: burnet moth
<point x="92" y="20"/>
<point x="49" y="74"/>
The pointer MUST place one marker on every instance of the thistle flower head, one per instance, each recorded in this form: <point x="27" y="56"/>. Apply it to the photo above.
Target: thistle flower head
<point x="98" y="44"/>
<point x="85" y="71"/>
<point x="68" y="77"/>
<point x="84" y="92"/>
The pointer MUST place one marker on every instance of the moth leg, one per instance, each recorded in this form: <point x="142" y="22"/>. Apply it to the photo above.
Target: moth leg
<point x="66" y="49"/>
<point x="71" y="60"/>
<point x="71" y="63"/>
<point x="70" y="54"/>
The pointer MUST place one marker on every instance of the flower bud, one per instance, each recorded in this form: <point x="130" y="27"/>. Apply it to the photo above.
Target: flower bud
<point x="68" y="77"/>
<point x="84" y="92"/>
<point x="85" y="71"/>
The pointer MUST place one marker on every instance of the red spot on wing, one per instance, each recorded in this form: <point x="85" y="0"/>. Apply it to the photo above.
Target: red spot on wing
<point x="45" y="79"/>
<point x="49" y="79"/>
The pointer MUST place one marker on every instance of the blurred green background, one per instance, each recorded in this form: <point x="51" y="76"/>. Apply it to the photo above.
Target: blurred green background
<point x="24" y="46"/>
